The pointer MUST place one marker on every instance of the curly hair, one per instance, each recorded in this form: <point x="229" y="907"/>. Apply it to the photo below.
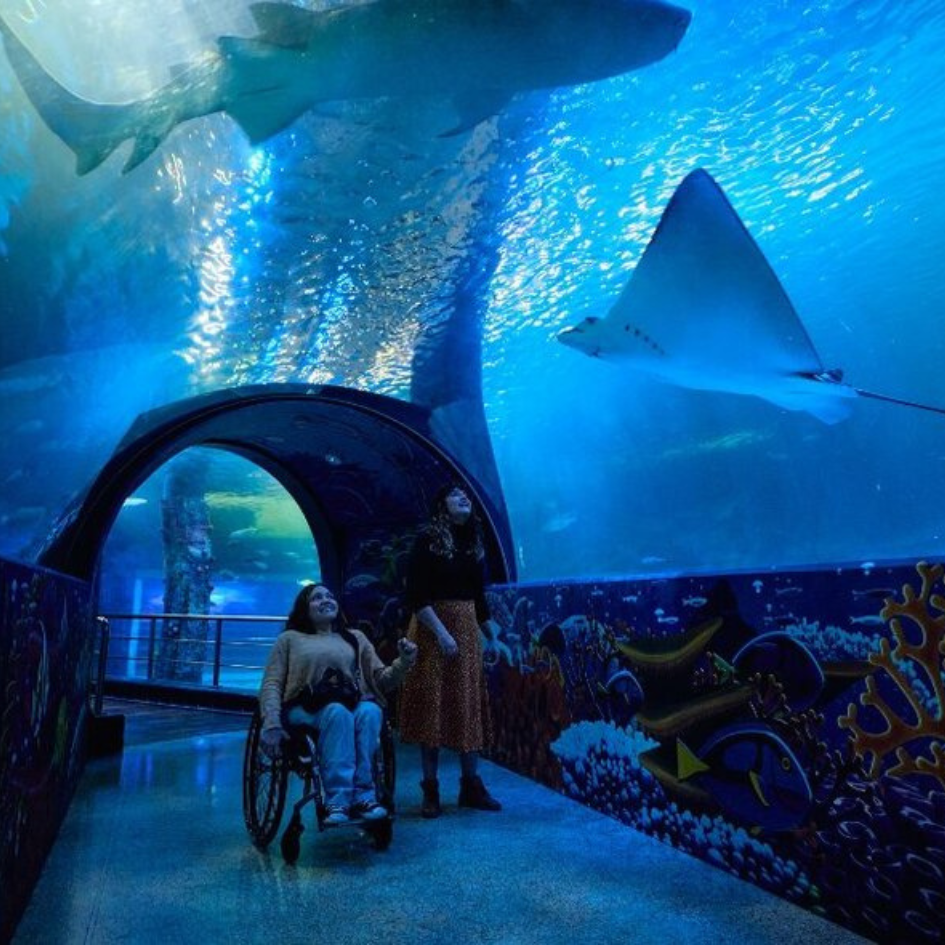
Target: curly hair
<point x="446" y="537"/>
<point x="299" y="617"/>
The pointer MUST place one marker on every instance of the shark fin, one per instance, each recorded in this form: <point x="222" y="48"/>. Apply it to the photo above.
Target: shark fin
<point x="687" y="764"/>
<point x="88" y="158"/>
<point x="284" y="25"/>
<point x="145" y="146"/>
<point x="473" y="109"/>
<point x="261" y="122"/>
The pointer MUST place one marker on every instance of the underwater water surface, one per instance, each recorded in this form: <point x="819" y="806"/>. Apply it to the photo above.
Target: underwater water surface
<point x="338" y="248"/>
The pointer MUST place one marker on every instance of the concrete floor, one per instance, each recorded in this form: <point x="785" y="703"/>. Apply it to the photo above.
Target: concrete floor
<point x="154" y="851"/>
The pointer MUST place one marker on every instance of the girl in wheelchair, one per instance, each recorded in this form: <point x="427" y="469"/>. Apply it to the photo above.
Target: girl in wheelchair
<point x="322" y="676"/>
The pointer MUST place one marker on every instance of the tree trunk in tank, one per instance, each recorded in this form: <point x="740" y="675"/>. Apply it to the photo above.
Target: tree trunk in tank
<point x="188" y="559"/>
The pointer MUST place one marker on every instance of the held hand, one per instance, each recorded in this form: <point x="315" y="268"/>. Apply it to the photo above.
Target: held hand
<point x="447" y="645"/>
<point x="271" y="741"/>
<point x="408" y="651"/>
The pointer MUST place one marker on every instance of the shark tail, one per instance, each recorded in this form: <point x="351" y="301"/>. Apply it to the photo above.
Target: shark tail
<point x="91" y="130"/>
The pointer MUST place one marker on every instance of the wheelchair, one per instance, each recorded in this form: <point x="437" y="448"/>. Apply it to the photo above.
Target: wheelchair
<point x="266" y="787"/>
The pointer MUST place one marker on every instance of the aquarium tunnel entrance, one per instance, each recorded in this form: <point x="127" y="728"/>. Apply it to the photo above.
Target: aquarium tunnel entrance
<point x="362" y="468"/>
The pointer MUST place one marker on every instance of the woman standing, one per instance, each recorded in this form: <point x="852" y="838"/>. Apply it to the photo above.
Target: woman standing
<point x="444" y="702"/>
<point x="314" y="648"/>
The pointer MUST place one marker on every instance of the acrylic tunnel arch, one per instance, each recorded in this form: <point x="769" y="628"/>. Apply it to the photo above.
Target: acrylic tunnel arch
<point x="363" y="468"/>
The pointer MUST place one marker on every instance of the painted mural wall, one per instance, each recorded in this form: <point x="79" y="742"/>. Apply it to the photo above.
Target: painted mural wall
<point x="46" y="644"/>
<point x="784" y="726"/>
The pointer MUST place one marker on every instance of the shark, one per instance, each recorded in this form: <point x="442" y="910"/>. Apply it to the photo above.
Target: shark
<point x="479" y="53"/>
<point x="704" y="310"/>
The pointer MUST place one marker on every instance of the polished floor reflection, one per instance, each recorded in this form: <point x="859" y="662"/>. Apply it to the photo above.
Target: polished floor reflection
<point x="154" y="851"/>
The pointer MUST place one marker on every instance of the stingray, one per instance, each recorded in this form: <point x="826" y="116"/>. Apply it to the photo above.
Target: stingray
<point x="704" y="310"/>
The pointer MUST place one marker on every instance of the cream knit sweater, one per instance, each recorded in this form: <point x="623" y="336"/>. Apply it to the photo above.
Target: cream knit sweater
<point x="297" y="658"/>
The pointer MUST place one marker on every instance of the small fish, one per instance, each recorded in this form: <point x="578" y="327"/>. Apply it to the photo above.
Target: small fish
<point x="694" y="601"/>
<point x="667" y="620"/>
<point x="559" y="523"/>
<point x="783" y="620"/>
<point x="870" y="620"/>
<point x="242" y="533"/>
<point x="133" y="502"/>
<point x="630" y="598"/>
<point x="652" y="559"/>
<point x="789" y="591"/>
<point x="880" y="593"/>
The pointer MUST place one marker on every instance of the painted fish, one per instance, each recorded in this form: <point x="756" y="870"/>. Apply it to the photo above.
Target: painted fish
<point x="753" y="775"/>
<point x="624" y="693"/>
<point x="789" y="661"/>
<point x="477" y="54"/>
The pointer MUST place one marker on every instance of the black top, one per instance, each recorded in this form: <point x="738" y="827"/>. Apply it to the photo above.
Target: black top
<point x="432" y="577"/>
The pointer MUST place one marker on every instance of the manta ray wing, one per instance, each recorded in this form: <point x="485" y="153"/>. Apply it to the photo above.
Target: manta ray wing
<point x="706" y="294"/>
<point x="704" y="310"/>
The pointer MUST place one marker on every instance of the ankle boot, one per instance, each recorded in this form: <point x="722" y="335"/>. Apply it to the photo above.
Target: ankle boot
<point x="473" y="793"/>
<point x="431" y="798"/>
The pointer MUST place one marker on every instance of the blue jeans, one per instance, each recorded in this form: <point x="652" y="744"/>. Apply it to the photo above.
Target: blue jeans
<point x="346" y="745"/>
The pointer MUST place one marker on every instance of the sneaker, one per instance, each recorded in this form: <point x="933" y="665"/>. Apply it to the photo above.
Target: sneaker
<point x="369" y="810"/>
<point x="336" y="817"/>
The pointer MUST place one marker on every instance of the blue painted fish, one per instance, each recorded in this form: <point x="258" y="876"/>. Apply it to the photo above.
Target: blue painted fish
<point x="477" y="53"/>
<point x="752" y="774"/>
<point x="622" y="693"/>
<point x="789" y="661"/>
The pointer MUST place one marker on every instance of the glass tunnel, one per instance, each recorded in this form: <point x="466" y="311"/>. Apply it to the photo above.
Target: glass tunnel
<point x="343" y="248"/>
<point x="661" y="284"/>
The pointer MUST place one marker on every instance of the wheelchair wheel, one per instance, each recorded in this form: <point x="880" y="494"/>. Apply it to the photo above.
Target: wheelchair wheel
<point x="264" y="787"/>
<point x="385" y="771"/>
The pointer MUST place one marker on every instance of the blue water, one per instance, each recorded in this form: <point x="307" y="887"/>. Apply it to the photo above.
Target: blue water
<point x="323" y="255"/>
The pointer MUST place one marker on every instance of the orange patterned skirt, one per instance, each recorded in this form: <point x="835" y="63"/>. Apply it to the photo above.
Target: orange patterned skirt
<point x="444" y="703"/>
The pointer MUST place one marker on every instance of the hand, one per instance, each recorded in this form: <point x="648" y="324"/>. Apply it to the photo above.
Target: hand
<point x="408" y="651"/>
<point x="271" y="741"/>
<point x="447" y="645"/>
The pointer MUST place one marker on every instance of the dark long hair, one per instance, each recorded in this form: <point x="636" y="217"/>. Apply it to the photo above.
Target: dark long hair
<point x="299" y="617"/>
<point x="446" y="537"/>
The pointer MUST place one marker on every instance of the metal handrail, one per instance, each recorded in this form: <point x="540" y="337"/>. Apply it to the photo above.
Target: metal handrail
<point x="215" y="665"/>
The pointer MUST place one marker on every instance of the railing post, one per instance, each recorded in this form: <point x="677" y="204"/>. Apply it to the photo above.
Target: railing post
<point x="152" y="633"/>
<point x="217" y="649"/>
<point x="104" y="633"/>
